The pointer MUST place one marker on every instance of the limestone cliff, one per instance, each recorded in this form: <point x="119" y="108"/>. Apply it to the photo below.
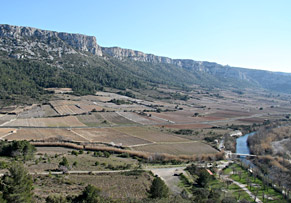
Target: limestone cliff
<point x="27" y="42"/>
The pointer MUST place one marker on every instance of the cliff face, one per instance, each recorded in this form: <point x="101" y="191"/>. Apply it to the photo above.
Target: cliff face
<point x="190" y="65"/>
<point x="26" y="42"/>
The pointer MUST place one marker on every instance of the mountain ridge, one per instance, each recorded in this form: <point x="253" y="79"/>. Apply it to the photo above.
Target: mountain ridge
<point x="77" y="61"/>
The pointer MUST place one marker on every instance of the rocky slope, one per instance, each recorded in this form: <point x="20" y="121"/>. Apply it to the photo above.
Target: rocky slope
<point x="26" y="42"/>
<point x="77" y="52"/>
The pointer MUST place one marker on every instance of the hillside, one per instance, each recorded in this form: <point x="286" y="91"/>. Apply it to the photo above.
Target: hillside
<point x="32" y="59"/>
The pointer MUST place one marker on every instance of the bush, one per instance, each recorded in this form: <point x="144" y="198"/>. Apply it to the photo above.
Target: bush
<point x="64" y="162"/>
<point x="56" y="199"/>
<point x="74" y="152"/>
<point x="106" y="154"/>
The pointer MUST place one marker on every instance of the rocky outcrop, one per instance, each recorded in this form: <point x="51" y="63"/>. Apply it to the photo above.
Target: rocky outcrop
<point x="31" y="36"/>
<point x="122" y="54"/>
<point x="190" y="65"/>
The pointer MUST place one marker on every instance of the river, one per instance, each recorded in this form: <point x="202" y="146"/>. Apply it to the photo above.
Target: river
<point x="243" y="148"/>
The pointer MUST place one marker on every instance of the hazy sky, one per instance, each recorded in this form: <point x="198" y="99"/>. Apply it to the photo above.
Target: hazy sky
<point x="242" y="33"/>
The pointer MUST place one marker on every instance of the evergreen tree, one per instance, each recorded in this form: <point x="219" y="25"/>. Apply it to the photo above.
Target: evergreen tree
<point x="17" y="185"/>
<point x="159" y="189"/>
<point x="203" y="179"/>
<point x="90" y="194"/>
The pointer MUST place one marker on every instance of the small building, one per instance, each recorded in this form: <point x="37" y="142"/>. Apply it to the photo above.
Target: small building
<point x="236" y="133"/>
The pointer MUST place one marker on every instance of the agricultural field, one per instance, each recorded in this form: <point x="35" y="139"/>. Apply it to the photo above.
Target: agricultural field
<point x="38" y="112"/>
<point x="187" y="126"/>
<point x="6" y="131"/>
<point x="68" y="121"/>
<point x="230" y="114"/>
<point x="4" y="118"/>
<point x="72" y="107"/>
<point x="186" y="148"/>
<point x="137" y="118"/>
<point x="151" y="135"/>
<point x="109" y="135"/>
<point x="115" y="118"/>
<point x="68" y="110"/>
<point x="44" y="134"/>
<point x="93" y="120"/>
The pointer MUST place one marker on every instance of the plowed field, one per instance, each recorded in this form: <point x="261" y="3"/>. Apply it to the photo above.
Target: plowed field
<point x="149" y="134"/>
<point x="178" y="148"/>
<point x="69" y="121"/>
<point x="44" y="134"/>
<point x="109" y="135"/>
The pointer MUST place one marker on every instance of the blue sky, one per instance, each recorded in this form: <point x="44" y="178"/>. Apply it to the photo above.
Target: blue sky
<point x="242" y="33"/>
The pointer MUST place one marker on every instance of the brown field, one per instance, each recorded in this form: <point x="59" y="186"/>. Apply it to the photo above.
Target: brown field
<point x="90" y="107"/>
<point x="5" y="131"/>
<point x="108" y="135"/>
<point x="136" y="118"/>
<point x="177" y="117"/>
<point x="149" y="134"/>
<point x="4" y="118"/>
<point x="103" y="99"/>
<point x="229" y="114"/>
<point x="92" y="120"/>
<point x="68" y="110"/>
<point x="62" y="102"/>
<point x="188" y="126"/>
<point x="44" y="134"/>
<point x="252" y="120"/>
<point x="190" y="148"/>
<point x="115" y="118"/>
<point x="209" y="118"/>
<point x="68" y="121"/>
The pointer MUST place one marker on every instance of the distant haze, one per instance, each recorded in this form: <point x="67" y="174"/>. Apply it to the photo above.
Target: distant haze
<point x="249" y="34"/>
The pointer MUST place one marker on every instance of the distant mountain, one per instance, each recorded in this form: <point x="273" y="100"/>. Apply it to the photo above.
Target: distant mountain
<point x="275" y="81"/>
<point x="32" y="59"/>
